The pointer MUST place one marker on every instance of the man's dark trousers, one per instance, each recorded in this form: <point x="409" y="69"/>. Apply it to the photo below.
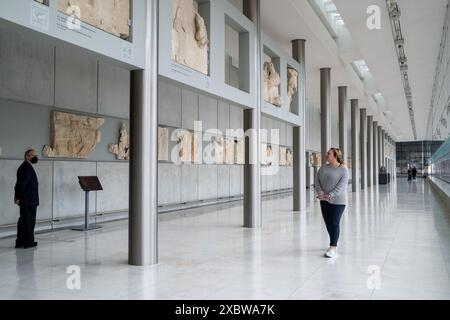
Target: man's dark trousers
<point x="26" y="224"/>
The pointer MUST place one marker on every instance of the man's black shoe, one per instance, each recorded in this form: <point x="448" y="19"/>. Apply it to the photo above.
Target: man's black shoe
<point x="19" y="245"/>
<point x="31" y="245"/>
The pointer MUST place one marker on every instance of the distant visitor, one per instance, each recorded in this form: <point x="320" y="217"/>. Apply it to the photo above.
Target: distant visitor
<point x="414" y="173"/>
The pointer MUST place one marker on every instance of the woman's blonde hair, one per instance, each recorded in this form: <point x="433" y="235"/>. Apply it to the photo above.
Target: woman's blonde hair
<point x="338" y="155"/>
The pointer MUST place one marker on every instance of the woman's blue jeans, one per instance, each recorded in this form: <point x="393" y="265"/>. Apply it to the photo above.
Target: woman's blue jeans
<point x="332" y="214"/>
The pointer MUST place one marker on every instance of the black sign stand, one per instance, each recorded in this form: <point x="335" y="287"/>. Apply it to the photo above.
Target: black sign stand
<point x="88" y="184"/>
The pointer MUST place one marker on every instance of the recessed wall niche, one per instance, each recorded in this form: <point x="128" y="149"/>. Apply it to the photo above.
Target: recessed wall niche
<point x="272" y="79"/>
<point x="238" y="4"/>
<point x="237" y="55"/>
<point x="191" y="34"/>
<point x="110" y="16"/>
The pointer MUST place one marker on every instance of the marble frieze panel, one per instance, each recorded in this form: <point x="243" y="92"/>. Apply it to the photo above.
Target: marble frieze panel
<point x="73" y="136"/>
<point x="189" y="36"/>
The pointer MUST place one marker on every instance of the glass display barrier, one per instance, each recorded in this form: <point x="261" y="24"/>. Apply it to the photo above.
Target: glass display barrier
<point x="440" y="162"/>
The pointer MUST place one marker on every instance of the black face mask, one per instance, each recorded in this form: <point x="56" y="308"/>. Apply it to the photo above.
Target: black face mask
<point x="34" y="160"/>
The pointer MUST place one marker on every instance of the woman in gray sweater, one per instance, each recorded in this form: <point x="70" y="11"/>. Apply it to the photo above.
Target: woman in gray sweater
<point x="331" y="188"/>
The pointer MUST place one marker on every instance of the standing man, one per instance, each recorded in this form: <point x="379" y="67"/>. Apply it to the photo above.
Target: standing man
<point x="414" y="173"/>
<point x="27" y="198"/>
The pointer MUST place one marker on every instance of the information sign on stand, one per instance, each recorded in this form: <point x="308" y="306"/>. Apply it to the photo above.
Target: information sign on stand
<point x="88" y="184"/>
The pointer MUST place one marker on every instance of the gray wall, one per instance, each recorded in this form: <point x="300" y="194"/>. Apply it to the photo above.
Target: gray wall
<point x="179" y="107"/>
<point x="36" y="77"/>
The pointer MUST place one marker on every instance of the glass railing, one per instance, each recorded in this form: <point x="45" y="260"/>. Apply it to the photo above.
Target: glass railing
<point x="440" y="162"/>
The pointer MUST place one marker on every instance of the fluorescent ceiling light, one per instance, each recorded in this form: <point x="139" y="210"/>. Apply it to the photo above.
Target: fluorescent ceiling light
<point x="378" y="96"/>
<point x="328" y="13"/>
<point x="362" y="66"/>
<point x="361" y="69"/>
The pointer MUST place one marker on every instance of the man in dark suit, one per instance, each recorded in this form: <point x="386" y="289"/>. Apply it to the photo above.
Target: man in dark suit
<point x="414" y="172"/>
<point x="27" y="198"/>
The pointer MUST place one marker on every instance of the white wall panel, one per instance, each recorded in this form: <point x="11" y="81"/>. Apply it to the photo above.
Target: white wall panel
<point x="68" y="198"/>
<point x="189" y="183"/>
<point x="75" y="80"/>
<point x="169" y="184"/>
<point x="114" y="178"/>
<point x="113" y="91"/>
<point x="9" y="212"/>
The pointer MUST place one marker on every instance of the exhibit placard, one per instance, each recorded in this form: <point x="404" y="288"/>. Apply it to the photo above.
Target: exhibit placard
<point x="91" y="183"/>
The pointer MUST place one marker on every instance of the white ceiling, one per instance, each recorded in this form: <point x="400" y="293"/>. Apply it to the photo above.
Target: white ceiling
<point x="299" y="21"/>
<point x="422" y="23"/>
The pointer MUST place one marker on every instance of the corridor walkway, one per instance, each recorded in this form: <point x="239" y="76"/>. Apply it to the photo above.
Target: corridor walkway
<point x="395" y="244"/>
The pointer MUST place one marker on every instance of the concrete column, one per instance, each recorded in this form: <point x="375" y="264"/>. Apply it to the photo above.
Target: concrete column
<point x="299" y="135"/>
<point x="143" y="199"/>
<point x="325" y="111"/>
<point x="342" y="92"/>
<point x="375" y="153"/>
<point x="383" y="150"/>
<point x="363" y="147"/>
<point x="388" y="139"/>
<point x="387" y="166"/>
<point x="384" y="146"/>
<point x="355" y="162"/>
<point x="395" y="159"/>
<point x="370" y="151"/>
<point x="388" y="158"/>
<point x="380" y="146"/>
<point x="391" y="164"/>
<point x="252" y="121"/>
<point x="308" y="171"/>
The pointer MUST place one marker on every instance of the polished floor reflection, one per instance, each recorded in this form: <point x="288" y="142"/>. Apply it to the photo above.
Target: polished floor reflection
<point x="395" y="244"/>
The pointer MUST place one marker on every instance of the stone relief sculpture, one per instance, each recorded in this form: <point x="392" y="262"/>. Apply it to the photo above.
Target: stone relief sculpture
<point x="229" y="151"/>
<point x="272" y="82"/>
<point x="201" y="34"/>
<point x="292" y="86"/>
<point x="269" y="155"/>
<point x="185" y="146"/>
<point x="317" y="160"/>
<point x="289" y="158"/>
<point x="283" y="156"/>
<point x="189" y="36"/>
<point x="219" y="149"/>
<point x="73" y="136"/>
<point x="239" y="152"/>
<point x="163" y="144"/>
<point x="122" y="149"/>
<point x="110" y="16"/>
<point x="195" y="155"/>
<point x="311" y="160"/>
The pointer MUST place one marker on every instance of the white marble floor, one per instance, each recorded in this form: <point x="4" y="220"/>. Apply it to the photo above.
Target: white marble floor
<point x="401" y="233"/>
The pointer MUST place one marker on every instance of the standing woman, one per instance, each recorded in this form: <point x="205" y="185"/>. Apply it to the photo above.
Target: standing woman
<point x="331" y="188"/>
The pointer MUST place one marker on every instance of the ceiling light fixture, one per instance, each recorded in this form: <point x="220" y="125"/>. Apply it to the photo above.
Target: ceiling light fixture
<point x="399" y="41"/>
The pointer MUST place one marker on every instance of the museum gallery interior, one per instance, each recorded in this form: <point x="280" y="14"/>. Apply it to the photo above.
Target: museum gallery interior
<point x="179" y="145"/>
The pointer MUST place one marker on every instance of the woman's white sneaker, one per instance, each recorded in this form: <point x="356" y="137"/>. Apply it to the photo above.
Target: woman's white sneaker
<point x="330" y="253"/>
